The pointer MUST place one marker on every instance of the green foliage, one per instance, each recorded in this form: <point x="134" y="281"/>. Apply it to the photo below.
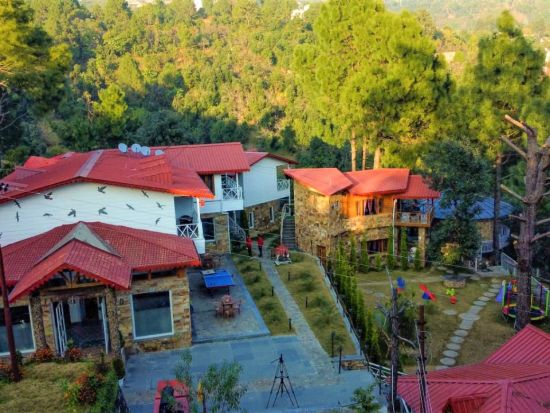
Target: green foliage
<point x="353" y="254"/>
<point x="118" y="367"/>
<point x="404" y="250"/>
<point x="364" y="400"/>
<point x="417" y="261"/>
<point x="378" y="262"/>
<point x="364" y="264"/>
<point x="390" y="256"/>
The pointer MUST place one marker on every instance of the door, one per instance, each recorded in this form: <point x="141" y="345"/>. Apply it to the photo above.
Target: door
<point x="105" y="323"/>
<point x="322" y="254"/>
<point x="60" y="328"/>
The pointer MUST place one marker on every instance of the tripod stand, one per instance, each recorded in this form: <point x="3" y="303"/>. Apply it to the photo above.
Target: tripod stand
<point x="281" y="374"/>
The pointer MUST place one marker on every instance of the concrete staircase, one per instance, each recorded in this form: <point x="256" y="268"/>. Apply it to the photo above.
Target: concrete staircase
<point x="289" y="232"/>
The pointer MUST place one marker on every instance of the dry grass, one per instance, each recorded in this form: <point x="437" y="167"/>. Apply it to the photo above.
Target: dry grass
<point x="259" y="287"/>
<point x="40" y="390"/>
<point x="321" y="313"/>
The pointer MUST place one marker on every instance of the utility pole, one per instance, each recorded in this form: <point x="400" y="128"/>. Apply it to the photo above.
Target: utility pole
<point x="7" y="320"/>
<point x="420" y="325"/>
<point x="394" y="351"/>
<point x="537" y="163"/>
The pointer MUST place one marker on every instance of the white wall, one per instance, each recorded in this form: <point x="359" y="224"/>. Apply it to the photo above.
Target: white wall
<point x="260" y="183"/>
<point x="86" y="200"/>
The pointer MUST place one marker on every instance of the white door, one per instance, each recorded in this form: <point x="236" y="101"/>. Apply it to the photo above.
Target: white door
<point x="60" y="330"/>
<point x="105" y="323"/>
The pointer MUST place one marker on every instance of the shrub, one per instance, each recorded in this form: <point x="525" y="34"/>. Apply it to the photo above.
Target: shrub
<point x="417" y="262"/>
<point x="118" y="367"/>
<point x="6" y="372"/>
<point x="378" y="262"/>
<point x="106" y="395"/>
<point x="101" y="367"/>
<point x="73" y="354"/>
<point x="84" y="389"/>
<point x="320" y="302"/>
<point x="43" y="355"/>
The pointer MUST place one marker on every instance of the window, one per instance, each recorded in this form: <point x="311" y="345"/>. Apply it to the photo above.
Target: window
<point x="251" y="219"/>
<point x="369" y="206"/>
<point x="209" y="182"/>
<point x="271" y="214"/>
<point x="152" y="314"/>
<point x="22" y="329"/>
<point x="208" y="229"/>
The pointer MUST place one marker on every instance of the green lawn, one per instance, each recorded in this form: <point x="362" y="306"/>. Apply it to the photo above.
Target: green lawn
<point x="487" y="334"/>
<point x="40" y="390"/>
<point x="306" y="281"/>
<point x="259" y="287"/>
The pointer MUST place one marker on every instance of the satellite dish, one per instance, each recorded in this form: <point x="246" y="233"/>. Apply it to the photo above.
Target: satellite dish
<point x="122" y="147"/>
<point x="145" y="151"/>
<point x="136" y="148"/>
<point x="159" y="152"/>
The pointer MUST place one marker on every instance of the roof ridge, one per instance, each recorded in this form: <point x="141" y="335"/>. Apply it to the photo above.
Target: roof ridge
<point x="87" y="167"/>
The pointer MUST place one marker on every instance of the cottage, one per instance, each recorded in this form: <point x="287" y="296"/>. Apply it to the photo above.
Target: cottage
<point x="331" y="205"/>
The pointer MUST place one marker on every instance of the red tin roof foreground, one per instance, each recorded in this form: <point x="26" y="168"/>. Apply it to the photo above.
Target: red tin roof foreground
<point x="396" y="181"/>
<point x="107" y="253"/>
<point x="516" y="378"/>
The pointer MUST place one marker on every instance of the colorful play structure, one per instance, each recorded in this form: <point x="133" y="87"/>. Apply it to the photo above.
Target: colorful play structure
<point x="540" y="299"/>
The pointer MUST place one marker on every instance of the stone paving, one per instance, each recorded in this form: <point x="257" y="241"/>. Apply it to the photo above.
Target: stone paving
<point x="468" y="319"/>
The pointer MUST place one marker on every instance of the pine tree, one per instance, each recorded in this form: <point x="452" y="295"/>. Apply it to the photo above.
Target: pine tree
<point x="403" y="250"/>
<point x="417" y="261"/>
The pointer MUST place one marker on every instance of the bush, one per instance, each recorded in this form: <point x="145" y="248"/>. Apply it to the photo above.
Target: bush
<point x="43" y="355"/>
<point x="319" y="302"/>
<point x="106" y="395"/>
<point x="101" y="367"/>
<point x="417" y="262"/>
<point x="73" y="354"/>
<point x="378" y="262"/>
<point x="118" y="367"/>
<point x="6" y="373"/>
<point x="84" y="389"/>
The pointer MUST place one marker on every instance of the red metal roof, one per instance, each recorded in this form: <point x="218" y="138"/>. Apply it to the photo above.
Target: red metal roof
<point x="378" y="181"/>
<point x="255" y="157"/>
<point x="417" y="189"/>
<point x="327" y="181"/>
<point x="107" y="253"/>
<point x="176" y="171"/>
<point x="516" y="378"/>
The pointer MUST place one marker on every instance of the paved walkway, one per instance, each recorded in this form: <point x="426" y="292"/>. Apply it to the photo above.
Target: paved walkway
<point x="468" y="320"/>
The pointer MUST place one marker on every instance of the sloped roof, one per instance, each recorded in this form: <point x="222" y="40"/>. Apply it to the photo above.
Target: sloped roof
<point x="255" y="157"/>
<point x="378" y="181"/>
<point x="484" y="207"/>
<point x="107" y="253"/>
<point x="327" y="181"/>
<point x="515" y="378"/>
<point x="417" y="188"/>
<point x="176" y="171"/>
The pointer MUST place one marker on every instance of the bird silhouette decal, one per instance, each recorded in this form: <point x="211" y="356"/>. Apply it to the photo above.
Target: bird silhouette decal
<point x="102" y="211"/>
<point x="17" y="203"/>
<point x="157" y="221"/>
<point x="145" y="193"/>
<point x="17" y="216"/>
<point x="101" y="189"/>
<point x="48" y="196"/>
<point x="72" y="213"/>
<point x="160" y="205"/>
<point x="130" y="207"/>
<point x="47" y="214"/>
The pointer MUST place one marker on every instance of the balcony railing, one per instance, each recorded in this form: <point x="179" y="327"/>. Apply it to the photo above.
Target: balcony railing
<point x="232" y="193"/>
<point x="414" y="218"/>
<point x="283" y="184"/>
<point x="188" y="231"/>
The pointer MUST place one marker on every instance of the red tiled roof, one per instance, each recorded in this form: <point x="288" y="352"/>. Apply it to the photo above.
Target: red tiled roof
<point x="327" y="181"/>
<point x="516" y="378"/>
<point x="107" y="253"/>
<point x="378" y="181"/>
<point x="417" y="189"/>
<point x="255" y="157"/>
<point x="176" y="171"/>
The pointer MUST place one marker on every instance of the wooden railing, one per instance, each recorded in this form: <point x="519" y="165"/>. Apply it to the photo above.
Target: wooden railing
<point x="415" y="218"/>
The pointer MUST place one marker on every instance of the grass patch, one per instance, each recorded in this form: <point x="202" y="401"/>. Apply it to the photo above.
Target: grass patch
<point x="40" y="390"/>
<point x="321" y="314"/>
<point x="259" y="287"/>
<point x="487" y="334"/>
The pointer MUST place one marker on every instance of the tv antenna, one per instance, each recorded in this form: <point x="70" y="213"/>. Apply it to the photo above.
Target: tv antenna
<point x="281" y="374"/>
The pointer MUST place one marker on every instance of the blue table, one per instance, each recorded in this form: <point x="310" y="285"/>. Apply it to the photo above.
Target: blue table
<point x="220" y="279"/>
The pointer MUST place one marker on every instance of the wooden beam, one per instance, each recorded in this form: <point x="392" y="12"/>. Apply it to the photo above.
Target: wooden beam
<point x="512" y="145"/>
<point x="540" y="236"/>
<point x="510" y="192"/>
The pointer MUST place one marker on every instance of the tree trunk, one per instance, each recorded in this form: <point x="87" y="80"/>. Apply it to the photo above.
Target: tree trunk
<point x="496" y="209"/>
<point x="353" y="151"/>
<point x="364" y="155"/>
<point x="377" y="158"/>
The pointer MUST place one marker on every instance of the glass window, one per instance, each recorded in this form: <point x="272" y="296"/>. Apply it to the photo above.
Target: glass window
<point x="22" y="330"/>
<point x="208" y="229"/>
<point x="152" y="314"/>
<point x="251" y="219"/>
<point x="271" y="214"/>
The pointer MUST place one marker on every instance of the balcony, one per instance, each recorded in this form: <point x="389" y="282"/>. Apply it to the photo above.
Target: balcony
<point x="231" y="193"/>
<point x="283" y="184"/>
<point x="503" y="240"/>
<point x="364" y="222"/>
<point x="414" y="218"/>
<point x="189" y="231"/>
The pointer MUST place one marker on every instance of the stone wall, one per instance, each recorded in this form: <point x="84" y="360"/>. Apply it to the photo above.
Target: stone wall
<point x="485" y="229"/>
<point x="221" y="233"/>
<point x="179" y="286"/>
<point x="262" y="219"/>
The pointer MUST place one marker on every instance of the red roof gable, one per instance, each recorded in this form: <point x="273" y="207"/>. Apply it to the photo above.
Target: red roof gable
<point x="255" y="157"/>
<point x="417" y="189"/>
<point x="378" y="181"/>
<point x="176" y="171"/>
<point x="107" y="253"/>
<point x="516" y="378"/>
<point x="327" y="181"/>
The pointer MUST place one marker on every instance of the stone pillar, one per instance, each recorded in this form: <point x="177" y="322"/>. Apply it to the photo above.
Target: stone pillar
<point x="112" y="316"/>
<point x="422" y="244"/>
<point x="37" y="318"/>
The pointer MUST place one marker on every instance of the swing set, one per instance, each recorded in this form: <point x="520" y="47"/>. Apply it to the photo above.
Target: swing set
<point x="540" y="299"/>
